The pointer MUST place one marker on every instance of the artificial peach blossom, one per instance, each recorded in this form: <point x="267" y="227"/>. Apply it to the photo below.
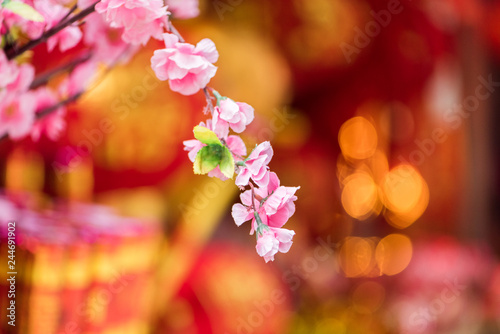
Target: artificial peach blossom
<point x="106" y="42"/>
<point x="234" y="115"/>
<point x="17" y="113"/>
<point x="274" y="240"/>
<point x="255" y="166"/>
<point x="141" y="19"/>
<point x="188" y="68"/>
<point x="52" y="125"/>
<point x="183" y="9"/>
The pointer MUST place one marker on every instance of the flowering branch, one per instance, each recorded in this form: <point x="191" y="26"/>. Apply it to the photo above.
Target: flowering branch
<point x="188" y="68"/>
<point x="14" y="52"/>
<point x="43" y="78"/>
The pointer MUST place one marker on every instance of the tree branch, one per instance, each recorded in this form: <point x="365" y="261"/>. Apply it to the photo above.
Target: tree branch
<point x="14" y="52"/>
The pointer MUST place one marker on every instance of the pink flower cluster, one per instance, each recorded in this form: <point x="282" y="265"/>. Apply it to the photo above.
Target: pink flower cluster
<point x="112" y="34"/>
<point x="140" y="19"/>
<point x="188" y="68"/>
<point x="268" y="207"/>
<point x="20" y="105"/>
<point x="267" y="204"/>
<point x="183" y="9"/>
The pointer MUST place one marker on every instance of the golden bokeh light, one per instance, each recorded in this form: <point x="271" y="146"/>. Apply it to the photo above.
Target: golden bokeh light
<point x="405" y="194"/>
<point x="358" y="138"/>
<point x="393" y="254"/>
<point x="356" y="256"/>
<point x="359" y="195"/>
<point x="378" y="164"/>
<point x="368" y="297"/>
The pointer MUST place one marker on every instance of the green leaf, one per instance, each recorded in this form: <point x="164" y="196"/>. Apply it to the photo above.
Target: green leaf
<point x="227" y="163"/>
<point x="25" y="11"/>
<point x="207" y="159"/>
<point x="206" y="136"/>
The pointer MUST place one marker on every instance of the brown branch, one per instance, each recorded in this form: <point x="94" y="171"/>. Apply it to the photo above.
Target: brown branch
<point x="14" y="52"/>
<point x="43" y="78"/>
<point x="49" y="110"/>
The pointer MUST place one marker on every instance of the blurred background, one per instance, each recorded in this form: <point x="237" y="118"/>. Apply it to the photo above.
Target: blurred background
<point x="384" y="112"/>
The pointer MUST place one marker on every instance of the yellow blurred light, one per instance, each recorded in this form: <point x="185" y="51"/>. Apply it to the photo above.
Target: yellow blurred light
<point x="405" y="194"/>
<point x="24" y="171"/>
<point x="356" y="256"/>
<point x="358" y="138"/>
<point x="359" y="195"/>
<point x="368" y="297"/>
<point x="393" y="254"/>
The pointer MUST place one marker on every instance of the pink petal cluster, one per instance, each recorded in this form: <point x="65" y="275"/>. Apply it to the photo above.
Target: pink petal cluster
<point x="17" y="105"/>
<point x="79" y="80"/>
<point x="255" y="166"/>
<point x="9" y="71"/>
<point x="183" y="9"/>
<point x="276" y="209"/>
<point x="52" y="13"/>
<point x="188" y="68"/>
<point x="16" y="113"/>
<point x="140" y="19"/>
<point x="230" y="114"/>
<point x="107" y="44"/>
<point x="274" y="205"/>
<point x="52" y="125"/>
<point x="273" y="240"/>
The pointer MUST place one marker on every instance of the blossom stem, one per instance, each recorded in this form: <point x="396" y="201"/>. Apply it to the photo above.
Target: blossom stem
<point x="49" y="110"/>
<point x="69" y="13"/>
<point x="209" y="100"/>
<point x="65" y="22"/>
<point x="263" y="200"/>
<point x="253" y="196"/>
<point x="174" y="31"/>
<point x="45" y="77"/>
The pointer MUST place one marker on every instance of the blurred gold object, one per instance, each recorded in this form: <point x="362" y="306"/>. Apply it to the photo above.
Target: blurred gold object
<point x="24" y="171"/>
<point x="77" y="184"/>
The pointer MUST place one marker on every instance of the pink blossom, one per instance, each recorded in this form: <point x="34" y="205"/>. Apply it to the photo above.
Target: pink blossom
<point x="52" y="12"/>
<point x="79" y="80"/>
<point x="188" y="68"/>
<point x="30" y="28"/>
<point x="183" y="9"/>
<point x="273" y="240"/>
<point x="9" y="71"/>
<point x="274" y="204"/>
<point x="236" y="115"/>
<point x="25" y="76"/>
<point x="141" y="19"/>
<point x="82" y="4"/>
<point x="279" y="197"/>
<point x="256" y="166"/>
<point x="16" y="113"/>
<point x="52" y="125"/>
<point x="107" y="44"/>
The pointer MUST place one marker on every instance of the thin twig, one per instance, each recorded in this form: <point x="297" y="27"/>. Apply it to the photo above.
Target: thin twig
<point x="49" y="110"/>
<point x="174" y="31"/>
<point x="43" y="78"/>
<point x="13" y="52"/>
<point x="209" y="100"/>
<point x="68" y="13"/>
